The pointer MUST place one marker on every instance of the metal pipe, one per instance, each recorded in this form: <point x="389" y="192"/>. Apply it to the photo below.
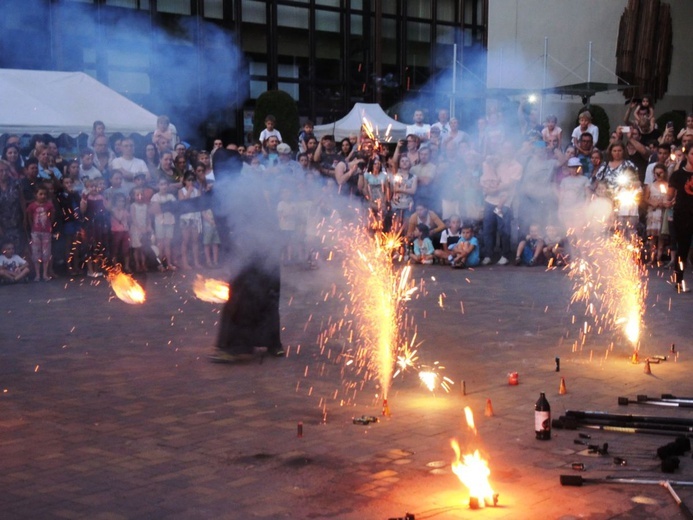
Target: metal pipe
<point x="579" y="414"/>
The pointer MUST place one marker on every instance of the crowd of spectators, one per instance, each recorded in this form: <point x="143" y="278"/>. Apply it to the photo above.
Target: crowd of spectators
<point x="510" y="191"/>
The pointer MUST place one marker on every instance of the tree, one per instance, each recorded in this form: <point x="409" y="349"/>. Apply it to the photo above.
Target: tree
<point x="283" y="107"/>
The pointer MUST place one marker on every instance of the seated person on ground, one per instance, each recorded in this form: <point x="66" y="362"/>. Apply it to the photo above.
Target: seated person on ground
<point x="466" y="252"/>
<point x="13" y="268"/>
<point x="529" y="250"/>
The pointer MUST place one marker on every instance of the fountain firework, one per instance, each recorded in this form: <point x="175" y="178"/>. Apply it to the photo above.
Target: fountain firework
<point x="378" y="292"/>
<point x="610" y="279"/>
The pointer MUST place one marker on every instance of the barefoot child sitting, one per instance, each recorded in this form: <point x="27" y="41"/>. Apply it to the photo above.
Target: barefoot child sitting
<point x="466" y="252"/>
<point x="423" y="247"/>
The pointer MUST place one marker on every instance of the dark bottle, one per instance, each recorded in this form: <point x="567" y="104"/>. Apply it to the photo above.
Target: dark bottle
<point x="542" y="418"/>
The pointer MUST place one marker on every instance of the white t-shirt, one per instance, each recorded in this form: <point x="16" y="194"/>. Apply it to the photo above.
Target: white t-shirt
<point x="592" y="129"/>
<point x="265" y="134"/>
<point x="13" y="263"/>
<point x="423" y="131"/>
<point x="130" y="168"/>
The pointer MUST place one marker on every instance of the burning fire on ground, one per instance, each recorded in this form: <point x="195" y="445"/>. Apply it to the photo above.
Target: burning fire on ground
<point x="126" y="288"/>
<point x="473" y="471"/>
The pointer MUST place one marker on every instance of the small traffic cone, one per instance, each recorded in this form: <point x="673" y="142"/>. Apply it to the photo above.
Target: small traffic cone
<point x="562" y="390"/>
<point x="489" y="408"/>
<point x="386" y="408"/>
<point x="635" y="358"/>
<point x="647" y="370"/>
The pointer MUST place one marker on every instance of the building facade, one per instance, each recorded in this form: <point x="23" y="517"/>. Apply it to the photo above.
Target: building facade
<point x="203" y="62"/>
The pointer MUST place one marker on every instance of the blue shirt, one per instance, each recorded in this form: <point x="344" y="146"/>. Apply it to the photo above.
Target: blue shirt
<point x="45" y="173"/>
<point x="473" y="258"/>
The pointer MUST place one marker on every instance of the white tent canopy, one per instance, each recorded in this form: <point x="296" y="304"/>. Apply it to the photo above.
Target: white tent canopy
<point x="351" y="124"/>
<point x="55" y="103"/>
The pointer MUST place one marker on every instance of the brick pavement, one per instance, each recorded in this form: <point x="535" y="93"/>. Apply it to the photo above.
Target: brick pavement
<point x="111" y="411"/>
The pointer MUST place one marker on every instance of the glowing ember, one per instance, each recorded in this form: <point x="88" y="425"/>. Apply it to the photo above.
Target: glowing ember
<point x="430" y="379"/>
<point x="126" y="288"/>
<point x="211" y="290"/>
<point x="469" y="416"/>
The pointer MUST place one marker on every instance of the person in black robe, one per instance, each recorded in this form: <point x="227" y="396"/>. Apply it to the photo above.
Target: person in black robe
<point x="245" y="210"/>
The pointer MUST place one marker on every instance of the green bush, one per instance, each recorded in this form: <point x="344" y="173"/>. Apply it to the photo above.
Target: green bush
<point x="601" y="120"/>
<point x="283" y="107"/>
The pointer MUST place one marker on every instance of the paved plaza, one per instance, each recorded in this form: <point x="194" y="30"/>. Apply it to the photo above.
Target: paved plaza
<point x="110" y="411"/>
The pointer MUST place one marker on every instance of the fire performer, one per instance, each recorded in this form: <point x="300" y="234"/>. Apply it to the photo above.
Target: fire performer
<point x="680" y="196"/>
<point x="245" y="209"/>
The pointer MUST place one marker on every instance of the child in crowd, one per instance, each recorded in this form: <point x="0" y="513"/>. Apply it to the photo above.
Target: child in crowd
<point x="210" y="238"/>
<point x="552" y="131"/>
<point x="422" y="246"/>
<point x="466" y="251"/>
<point x="287" y="214"/>
<point x="72" y="171"/>
<point x="41" y="216"/>
<point x="140" y="228"/>
<point x="13" y="268"/>
<point x="97" y="225"/>
<point x="68" y="200"/>
<point x="655" y="197"/>
<point x="190" y="223"/>
<point x="269" y="130"/>
<point x="374" y="186"/>
<point x="448" y="238"/>
<point x="304" y="135"/>
<point x="141" y="185"/>
<point x="120" y="231"/>
<point x="163" y="130"/>
<point x="529" y="250"/>
<point x="164" y="224"/>
<point x="554" y="250"/>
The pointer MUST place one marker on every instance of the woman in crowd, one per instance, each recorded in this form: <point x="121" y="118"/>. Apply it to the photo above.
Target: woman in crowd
<point x="616" y="165"/>
<point x="14" y="159"/>
<point x="11" y="209"/>
<point x="151" y="158"/>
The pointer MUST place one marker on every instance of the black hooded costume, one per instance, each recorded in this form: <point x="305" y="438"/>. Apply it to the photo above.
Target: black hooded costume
<point x="245" y="211"/>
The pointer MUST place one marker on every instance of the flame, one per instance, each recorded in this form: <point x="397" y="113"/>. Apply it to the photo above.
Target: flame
<point x="662" y="188"/>
<point x="211" y="290"/>
<point x="473" y="472"/>
<point x="126" y="288"/>
<point x="429" y="378"/>
<point x="469" y="416"/>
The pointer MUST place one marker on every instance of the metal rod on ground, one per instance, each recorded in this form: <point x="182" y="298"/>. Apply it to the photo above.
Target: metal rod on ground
<point x="684" y="508"/>
<point x="671" y="399"/>
<point x="670" y="396"/>
<point x="671" y="404"/>
<point x="580" y="415"/>
<point x="626" y="429"/>
<point x="635" y="424"/>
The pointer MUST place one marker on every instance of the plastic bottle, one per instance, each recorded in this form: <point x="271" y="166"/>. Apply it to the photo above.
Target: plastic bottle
<point x="542" y="418"/>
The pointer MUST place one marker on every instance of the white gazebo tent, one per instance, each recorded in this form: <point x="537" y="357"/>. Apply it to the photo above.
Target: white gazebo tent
<point x="351" y="124"/>
<point x="55" y="103"/>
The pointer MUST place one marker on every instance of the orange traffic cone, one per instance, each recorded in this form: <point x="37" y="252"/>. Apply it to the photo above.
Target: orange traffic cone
<point x="634" y="358"/>
<point x="562" y="390"/>
<point x="489" y="408"/>
<point x="386" y="408"/>
<point x="647" y="370"/>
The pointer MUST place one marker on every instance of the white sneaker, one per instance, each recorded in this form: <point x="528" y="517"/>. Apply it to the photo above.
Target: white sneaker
<point x="502" y="260"/>
<point x="486" y="261"/>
